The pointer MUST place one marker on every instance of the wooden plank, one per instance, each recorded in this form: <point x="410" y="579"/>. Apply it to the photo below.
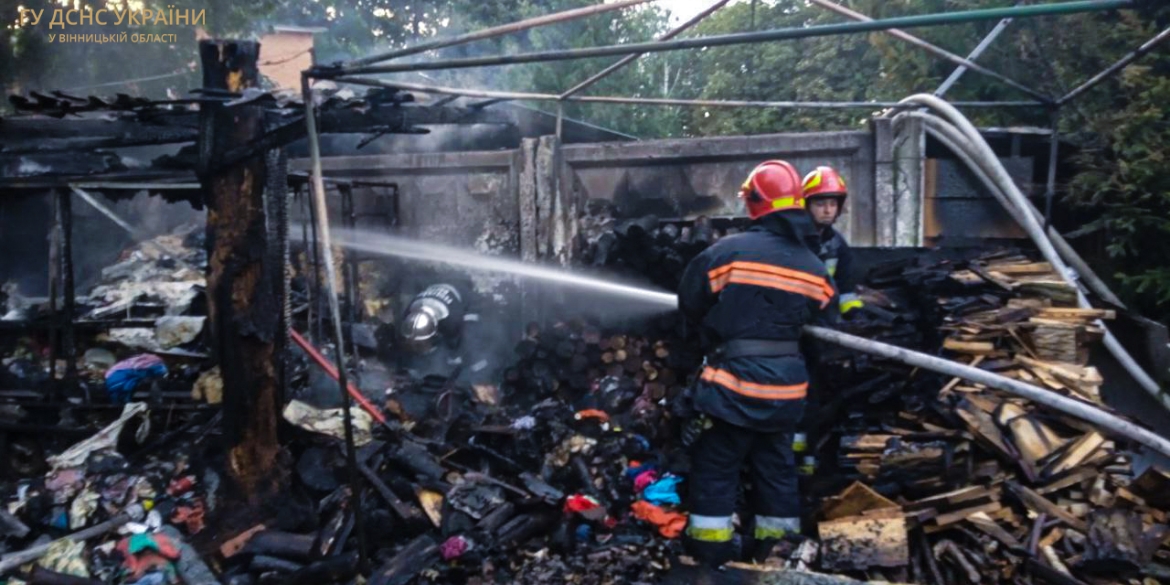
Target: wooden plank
<point x="960" y="515"/>
<point x="866" y="443"/>
<point x="986" y="525"/>
<point x="861" y="542"/>
<point x="1039" y="503"/>
<point x="856" y="499"/>
<point x="960" y="495"/>
<point x="968" y="347"/>
<point x="1076" y="313"/>
<point x="1076" y="454"/>
<point x="1077" y="477"/>
<point x="1032" y="438"/>
<point x="1024" y="268"/>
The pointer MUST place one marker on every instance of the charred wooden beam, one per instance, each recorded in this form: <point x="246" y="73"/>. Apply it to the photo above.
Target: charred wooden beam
<point x="243" y="304"/>
<point x="44" y="135"/>
<point x="69" y="302"/>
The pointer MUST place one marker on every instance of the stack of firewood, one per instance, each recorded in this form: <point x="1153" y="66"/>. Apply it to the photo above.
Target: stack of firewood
<point x="960" y="483"/>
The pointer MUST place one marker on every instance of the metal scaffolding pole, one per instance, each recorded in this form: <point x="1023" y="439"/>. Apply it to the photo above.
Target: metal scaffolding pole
<point x="975" y="53"/>
<point x="631" y="58"/>
<point x="1053" y="154"/>
<point x="552" y="97"/>
<point x="1114" y="68"/>
<point x="317" y="188"/>
<point x="932" y="49"/>
<point x="494" y="31"/>
<point x="740" y="38"/>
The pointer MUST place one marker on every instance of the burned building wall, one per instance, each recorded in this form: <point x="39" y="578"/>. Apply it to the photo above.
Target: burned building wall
<point x="688" y="178"/>
<point x="26" y="220"/>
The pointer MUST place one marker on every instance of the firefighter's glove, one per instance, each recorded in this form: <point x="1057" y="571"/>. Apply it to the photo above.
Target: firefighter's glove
<point x="695" y="427"/>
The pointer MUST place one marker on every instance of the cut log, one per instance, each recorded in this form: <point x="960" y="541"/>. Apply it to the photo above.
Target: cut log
<point x="1117" y="542"/>
<point x="1056" y="341"/>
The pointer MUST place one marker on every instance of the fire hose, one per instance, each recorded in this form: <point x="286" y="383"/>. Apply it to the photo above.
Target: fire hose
<point x="1070" y="406"/>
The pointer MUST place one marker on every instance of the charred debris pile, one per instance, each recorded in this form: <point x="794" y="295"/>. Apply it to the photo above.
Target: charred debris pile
<point x="568" y="467"/>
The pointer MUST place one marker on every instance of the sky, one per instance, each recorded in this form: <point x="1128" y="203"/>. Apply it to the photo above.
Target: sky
<point x="681" y="10"/>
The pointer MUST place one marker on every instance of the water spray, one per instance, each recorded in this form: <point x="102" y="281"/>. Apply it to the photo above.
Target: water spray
<point x="387" y="245"/>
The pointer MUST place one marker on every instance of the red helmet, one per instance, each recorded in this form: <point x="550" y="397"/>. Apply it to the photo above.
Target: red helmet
<point x="824" y="182"/>
<point x="773" y="185"/>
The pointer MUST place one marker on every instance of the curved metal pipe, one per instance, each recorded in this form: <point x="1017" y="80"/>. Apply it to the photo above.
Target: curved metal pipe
<point x="990" y="163"/>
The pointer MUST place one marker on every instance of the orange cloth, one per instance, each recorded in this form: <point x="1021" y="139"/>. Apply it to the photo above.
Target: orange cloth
<point x="670" y="524"/>
<point x="600" y="415"/>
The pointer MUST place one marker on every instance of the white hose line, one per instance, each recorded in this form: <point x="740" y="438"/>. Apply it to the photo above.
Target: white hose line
<point x="1082" y="410"/>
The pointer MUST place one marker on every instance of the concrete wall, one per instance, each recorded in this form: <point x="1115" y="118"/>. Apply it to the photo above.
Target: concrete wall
<point x="526" y="202"/>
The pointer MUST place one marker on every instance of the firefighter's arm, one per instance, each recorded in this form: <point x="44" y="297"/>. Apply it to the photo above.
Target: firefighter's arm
<point x="847" y="281"/>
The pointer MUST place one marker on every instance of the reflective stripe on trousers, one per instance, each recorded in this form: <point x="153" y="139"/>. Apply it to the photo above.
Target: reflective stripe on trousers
<point x="710" y="528"/>
<point x="774" y="527"/>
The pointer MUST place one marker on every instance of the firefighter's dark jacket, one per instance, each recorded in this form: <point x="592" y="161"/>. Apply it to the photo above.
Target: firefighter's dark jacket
<point x="765" y="283"/>
<point x="838" y="258"/>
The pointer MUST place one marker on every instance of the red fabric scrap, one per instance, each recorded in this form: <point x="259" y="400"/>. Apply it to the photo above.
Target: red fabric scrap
<point x="670" y="524"/>
<point x="589" y="508"/>
<point x="644" y="479"/>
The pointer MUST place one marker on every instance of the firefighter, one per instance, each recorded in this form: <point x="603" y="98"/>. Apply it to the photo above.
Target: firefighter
<point x="435" y="331"/>
<point x="750" y="294"/>
<point x="825" y="194"/>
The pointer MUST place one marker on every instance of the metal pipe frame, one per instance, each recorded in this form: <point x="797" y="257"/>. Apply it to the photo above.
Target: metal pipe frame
<point x="934" y="49"/>
<point x="1073" y="7"/>
<point x="631" y="58"/>
<point x="1137" y="53"/>
<point x="551" y="97"/>
<point x="495" y="31"/>
<point x="953" y="78"/>
<point x="318" y="200"/>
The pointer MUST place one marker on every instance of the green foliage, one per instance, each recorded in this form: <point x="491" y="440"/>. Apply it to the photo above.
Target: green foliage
<point x="1124" y="178"/>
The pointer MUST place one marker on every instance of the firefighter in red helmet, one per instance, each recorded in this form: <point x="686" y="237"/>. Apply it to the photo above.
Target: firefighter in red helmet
<point x="750" y="294"/>
<point x="824" y="194"/>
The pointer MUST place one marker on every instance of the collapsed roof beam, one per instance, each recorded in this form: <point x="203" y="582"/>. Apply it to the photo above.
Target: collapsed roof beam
<point x="495" y="31"/>
<point x="331" y="72"/>
<point x="22" y="136"/>
<point x="495" y="96"/>
<point x="933" y="49"/>
<point x="1114" y="68"/>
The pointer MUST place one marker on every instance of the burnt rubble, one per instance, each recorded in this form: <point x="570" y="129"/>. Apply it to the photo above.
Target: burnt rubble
<point x="568" y="468"/>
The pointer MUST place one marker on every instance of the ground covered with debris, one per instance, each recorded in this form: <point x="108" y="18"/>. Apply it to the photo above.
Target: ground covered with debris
<point x="568" y="468"/>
